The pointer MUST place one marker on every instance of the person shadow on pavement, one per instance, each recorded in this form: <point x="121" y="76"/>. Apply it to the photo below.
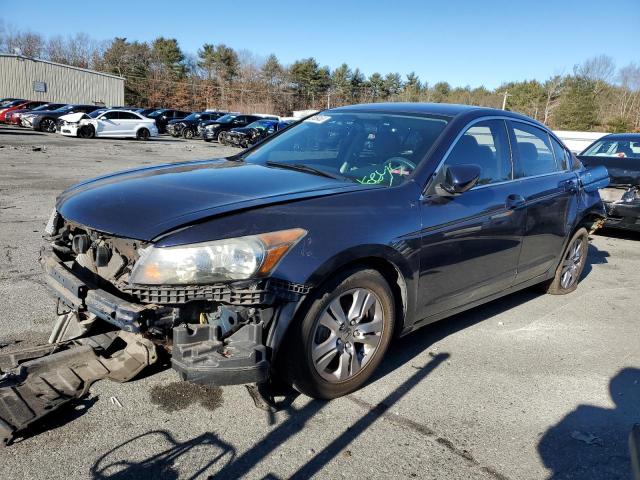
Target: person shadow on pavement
<point x="591" y="442"/>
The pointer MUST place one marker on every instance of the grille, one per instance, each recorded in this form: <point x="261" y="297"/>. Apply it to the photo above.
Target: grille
<point x="263" y="294"/>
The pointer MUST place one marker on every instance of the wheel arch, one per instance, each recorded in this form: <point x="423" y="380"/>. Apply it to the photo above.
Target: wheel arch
<point x="389" y="270"/>
<point x="397" y="274"/>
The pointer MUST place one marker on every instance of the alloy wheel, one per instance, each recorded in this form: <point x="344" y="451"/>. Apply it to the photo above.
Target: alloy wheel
<point x="48" y="125"/>
<point x="572" y="263"/>
<point x="347" y="335"/>
<point x="143" y="134"/>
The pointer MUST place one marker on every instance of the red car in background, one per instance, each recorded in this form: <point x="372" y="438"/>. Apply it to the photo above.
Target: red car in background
<point x="13" y="117"/>
<point x="18" y="105"/>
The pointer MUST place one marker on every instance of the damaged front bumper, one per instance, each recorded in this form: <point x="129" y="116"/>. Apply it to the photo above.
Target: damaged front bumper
<point x="230" y="346"/>
<point x="200" y="357"/>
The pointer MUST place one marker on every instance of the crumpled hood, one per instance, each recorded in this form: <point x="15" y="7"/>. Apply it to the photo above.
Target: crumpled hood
<point x="146" y="203"/>
<point x="74" y="117"/>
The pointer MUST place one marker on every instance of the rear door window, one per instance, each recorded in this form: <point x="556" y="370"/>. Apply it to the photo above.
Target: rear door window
<point x="533" y="150"/>
<point x="128" y="116"/>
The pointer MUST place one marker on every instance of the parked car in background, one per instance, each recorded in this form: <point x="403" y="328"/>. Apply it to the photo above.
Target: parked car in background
<point x="214" y="130"/>
<point x="164" y="115"/>
<point x="253" y="133"/>
<point x="28" y="105"/>
<point x="6" y="101"/>
<point x="15" y="116"/>
<point x="303" y="257"/>
<point x="620" y="154"/>
<point x="46" y="120"/>
<point x="108" y="123"/>
<point x="187" y="127"/>
<point x="145" y="111"/>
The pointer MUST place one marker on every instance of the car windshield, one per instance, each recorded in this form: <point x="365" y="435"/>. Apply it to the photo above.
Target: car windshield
<point x="46" y="106"/>
<point x="193" y="116"/>
<point x="225" y="118"/>
<point x="366" y="148"/>
<point x="156" y="113"/>
<point x="262" y="124"/>
<point x="66" y="108"/>
<point x="618" y="148"/>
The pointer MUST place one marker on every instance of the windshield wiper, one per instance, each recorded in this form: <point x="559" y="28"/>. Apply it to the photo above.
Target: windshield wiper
<point x="300" y="167"/>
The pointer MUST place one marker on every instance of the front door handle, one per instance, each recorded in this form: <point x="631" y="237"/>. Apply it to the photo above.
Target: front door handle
<point x="514" y="201"/>
<point x="571" y="185"/>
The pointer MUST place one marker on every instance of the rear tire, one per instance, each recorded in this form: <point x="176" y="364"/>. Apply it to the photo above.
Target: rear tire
<point x="48" y="125"/>
<point x="221" y="138"/>
<point x="143" y="134"/>
<point x="571" y="266"/>
<point x="346" y="330"/>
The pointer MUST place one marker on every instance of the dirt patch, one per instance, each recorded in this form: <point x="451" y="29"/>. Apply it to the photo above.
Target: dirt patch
<point x="180" y="395"/>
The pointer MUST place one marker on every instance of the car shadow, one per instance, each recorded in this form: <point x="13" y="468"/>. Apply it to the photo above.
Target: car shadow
<point x="162" y="465"/>
<point x="21" y="132"/>
<point x="595" y="256"/>
<point x="229" y="464"/>
<point x="619" y="234"/>
<point x="590" y="442"/>
<point x="403" y="350"/>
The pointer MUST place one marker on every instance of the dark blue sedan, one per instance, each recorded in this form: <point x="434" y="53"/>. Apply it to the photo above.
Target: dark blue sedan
<point x="303" y="256"/>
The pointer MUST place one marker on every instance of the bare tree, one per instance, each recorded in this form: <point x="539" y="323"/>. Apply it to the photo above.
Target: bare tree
<point x="629" y="80"/>
<point x="553" y="89"/>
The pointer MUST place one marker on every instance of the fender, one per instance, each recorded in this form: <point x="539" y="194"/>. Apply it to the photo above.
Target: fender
<point x="373" y="255"/>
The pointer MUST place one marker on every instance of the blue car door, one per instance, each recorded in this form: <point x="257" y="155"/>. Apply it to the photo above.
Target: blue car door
<point x="471" y="242"/>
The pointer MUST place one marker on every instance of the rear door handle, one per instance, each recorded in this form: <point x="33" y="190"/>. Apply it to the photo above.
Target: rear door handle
<point x="514" y="201"/>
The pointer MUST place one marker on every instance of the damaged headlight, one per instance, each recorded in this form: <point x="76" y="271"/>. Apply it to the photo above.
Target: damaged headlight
<point x="218" y="261"/>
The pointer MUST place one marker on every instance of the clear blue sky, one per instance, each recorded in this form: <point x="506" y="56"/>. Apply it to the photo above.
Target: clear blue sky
<point x="472" y="42"/>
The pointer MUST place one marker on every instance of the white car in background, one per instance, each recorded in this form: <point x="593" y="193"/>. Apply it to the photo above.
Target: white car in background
<point x="108" y="123"/>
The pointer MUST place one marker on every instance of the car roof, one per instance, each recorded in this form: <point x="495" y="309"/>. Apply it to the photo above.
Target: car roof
<point x="440" y="109"/>
<point x="634" y="137"/>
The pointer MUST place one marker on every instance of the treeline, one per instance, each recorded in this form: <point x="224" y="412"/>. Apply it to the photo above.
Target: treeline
<point x="594" y="96"/>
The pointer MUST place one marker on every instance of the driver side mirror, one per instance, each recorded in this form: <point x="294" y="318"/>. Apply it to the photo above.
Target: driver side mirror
<point x="460" y="178"/>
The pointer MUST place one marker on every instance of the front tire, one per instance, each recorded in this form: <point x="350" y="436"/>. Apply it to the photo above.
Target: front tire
<point x="143" y="134"/>
<point x="86" y="131"/>
<point x="221" y="138"/>
<point x="188" y="133"/>
<point x="571" y="266"/>
<point x="343" y="336"/>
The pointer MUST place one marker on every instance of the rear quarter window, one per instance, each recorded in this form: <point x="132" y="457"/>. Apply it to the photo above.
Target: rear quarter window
<point x="562" y="157"/>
